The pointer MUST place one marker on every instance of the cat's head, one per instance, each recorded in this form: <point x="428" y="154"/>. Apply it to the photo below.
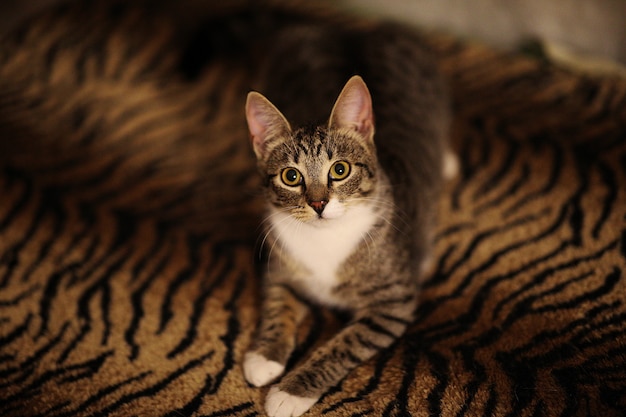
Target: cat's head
<point x="317" y="174"/>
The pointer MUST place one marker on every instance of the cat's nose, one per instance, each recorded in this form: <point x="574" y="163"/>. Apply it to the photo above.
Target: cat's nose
<point x="318" y="206"/>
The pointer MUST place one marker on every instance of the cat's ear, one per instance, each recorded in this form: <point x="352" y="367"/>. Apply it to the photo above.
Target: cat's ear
<point x="353" y="108"/>
<point x="265" y="123"/>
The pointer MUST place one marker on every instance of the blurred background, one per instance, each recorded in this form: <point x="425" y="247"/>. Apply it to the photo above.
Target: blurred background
<point x="590" y="32"/>
<point x="595" y="28"/>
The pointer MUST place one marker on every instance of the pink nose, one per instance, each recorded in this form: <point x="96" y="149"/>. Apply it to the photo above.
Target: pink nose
<point x="318" y="206"/>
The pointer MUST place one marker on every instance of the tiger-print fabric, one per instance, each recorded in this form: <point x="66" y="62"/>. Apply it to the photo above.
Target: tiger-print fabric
<point x="129" y="212"/>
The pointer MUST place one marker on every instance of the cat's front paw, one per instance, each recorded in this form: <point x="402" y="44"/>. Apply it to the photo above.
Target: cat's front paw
<point x="281" y="404"/>
<point x="260" y="371"/>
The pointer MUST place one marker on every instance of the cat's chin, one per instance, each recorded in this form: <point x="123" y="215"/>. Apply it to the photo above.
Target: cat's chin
<point x="322" y="222"/>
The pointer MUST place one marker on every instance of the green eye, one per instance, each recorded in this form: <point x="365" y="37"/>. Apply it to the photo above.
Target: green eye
<point x="291" y="177"/>
<point x="340" y="170"/>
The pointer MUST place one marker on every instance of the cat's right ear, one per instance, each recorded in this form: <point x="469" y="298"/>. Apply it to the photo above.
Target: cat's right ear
<point x="265" y="123"/>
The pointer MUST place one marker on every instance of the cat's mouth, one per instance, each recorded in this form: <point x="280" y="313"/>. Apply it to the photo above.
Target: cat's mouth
<point x="330" y="211"/>
<point x="320" y="220"/>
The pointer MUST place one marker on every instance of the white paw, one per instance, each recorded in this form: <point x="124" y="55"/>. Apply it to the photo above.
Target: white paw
<point x="260" y="371"/>
<point x="280" y="404"/>
<point x="450" y="165"/>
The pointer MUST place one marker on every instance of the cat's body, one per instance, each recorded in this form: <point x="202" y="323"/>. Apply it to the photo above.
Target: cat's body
<point x="351" y="198"/>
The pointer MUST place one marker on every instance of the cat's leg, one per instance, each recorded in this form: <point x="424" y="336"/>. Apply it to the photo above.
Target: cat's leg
<point x="281" y="314"/>
<point x="362" y="338"/>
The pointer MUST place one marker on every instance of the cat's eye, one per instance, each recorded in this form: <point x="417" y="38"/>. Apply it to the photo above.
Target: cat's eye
<point x="339" y="170"/>
<point x="291" y="177"/>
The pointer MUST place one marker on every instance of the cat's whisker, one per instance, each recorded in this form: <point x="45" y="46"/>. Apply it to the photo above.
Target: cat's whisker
<point x="390" y="223"/>
<point x="277" y="212"/>
<point x="365" y="236"/>
<point x="290" y="221"/>
<point x="386" y="207"/>
<point x="272" y="225"/>
<point x="269" y="255"/>
<point x="384" y="204"/>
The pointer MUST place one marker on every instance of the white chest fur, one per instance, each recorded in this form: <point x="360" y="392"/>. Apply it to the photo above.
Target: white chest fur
<point x="322" y="248"/>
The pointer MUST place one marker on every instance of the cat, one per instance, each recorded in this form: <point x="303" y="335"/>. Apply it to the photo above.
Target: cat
<point x="350" y="202"/>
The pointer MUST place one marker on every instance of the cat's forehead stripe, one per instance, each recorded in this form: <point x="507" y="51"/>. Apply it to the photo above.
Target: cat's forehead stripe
<point x="312" y="145"/>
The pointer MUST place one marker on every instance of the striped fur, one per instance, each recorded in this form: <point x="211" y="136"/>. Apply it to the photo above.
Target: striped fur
<point x="128" y="216"/>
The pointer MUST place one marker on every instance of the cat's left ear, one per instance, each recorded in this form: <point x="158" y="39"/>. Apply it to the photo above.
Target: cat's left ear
<point x="353" y="109"/>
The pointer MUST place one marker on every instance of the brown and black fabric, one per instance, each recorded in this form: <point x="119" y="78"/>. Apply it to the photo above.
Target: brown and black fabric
<point x="129" y="212"/>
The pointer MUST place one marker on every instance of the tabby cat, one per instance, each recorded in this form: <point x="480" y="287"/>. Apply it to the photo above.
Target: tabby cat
<point x="350" y="213"/>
